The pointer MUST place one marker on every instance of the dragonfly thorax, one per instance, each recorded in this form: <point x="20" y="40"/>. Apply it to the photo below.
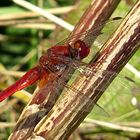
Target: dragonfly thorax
<point x="52" y="63"/>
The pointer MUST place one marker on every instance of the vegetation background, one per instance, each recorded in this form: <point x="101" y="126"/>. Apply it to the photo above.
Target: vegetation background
<point x="24" y="38"/>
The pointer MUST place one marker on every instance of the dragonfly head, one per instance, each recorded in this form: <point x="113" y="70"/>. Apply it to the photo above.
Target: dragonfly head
<point x="80" y="49"/>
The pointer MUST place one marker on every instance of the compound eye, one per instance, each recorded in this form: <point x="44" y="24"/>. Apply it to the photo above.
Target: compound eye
<point x="83" y="49"/>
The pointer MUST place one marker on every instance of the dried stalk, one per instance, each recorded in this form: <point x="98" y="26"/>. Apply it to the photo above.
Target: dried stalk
<point x="38" y="26"/>
<point x="44" y="13"/>
<point x="109" y="125"/>
<point x="23" y="21"/>
<point x="6" y="125"/>
<point x="62" y="120"/>
<point x="37" y="109"/>
<point x="23" y="15"/>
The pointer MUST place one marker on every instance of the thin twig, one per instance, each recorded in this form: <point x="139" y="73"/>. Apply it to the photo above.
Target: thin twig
<point x="22" y="15"/>
<point x="4" y="125"/>
<point x="132" y="124"/>
<point x="23" y="95"/>
<point x="37" y="26"/>
<point x="16" y="74"/>
<point x="24" y="60"/>
<point x="23" y="21"/>
<point x="133" y="70"/>
<point x="7" y="105"/>
<point x="113" y="126"/>
<point x="126" y="115"/>
<point x="44" y="13"/>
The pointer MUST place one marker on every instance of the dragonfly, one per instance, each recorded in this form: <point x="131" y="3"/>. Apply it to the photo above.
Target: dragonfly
<point x="48" y="65"/>
<point x="52" y="64"/>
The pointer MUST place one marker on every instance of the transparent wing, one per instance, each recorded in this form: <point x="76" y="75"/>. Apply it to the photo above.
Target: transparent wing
<point x="50" y="87"/>
<point x="118" y="97"/>
<point x="97" y="109"/>
<point x="115" y="99"/>
<point x="85" y="70"/>
<point x="122" y="84"/>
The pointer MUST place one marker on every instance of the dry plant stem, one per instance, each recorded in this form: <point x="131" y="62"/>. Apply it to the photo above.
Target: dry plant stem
<point x="13" y="73"/>
<point x="40" y="34"/>
<point x="64" y="117"/>
<point x="129" y="124"/>
<point x="4" y="38"/>
<point x="6" y="125"/>
<point x="24" y="60"/>
<point x="37" y="108"/>
<point x="133" y="70"/>
<point x="121" y="127"/>
<point x="37" y="26"/>
<point x="23" y="15"/>
<point x="23" y="21"/>
<point x="8" y="105"/>
<point x="44" y="13"/>
<point x="39" y="23"/>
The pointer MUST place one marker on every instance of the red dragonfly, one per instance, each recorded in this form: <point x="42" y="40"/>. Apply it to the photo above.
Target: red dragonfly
<point x="53" y="62"/>
<point x="48" y="65"/>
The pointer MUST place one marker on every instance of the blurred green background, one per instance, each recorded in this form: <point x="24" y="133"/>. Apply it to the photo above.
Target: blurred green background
<point x="22" y="41"/>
